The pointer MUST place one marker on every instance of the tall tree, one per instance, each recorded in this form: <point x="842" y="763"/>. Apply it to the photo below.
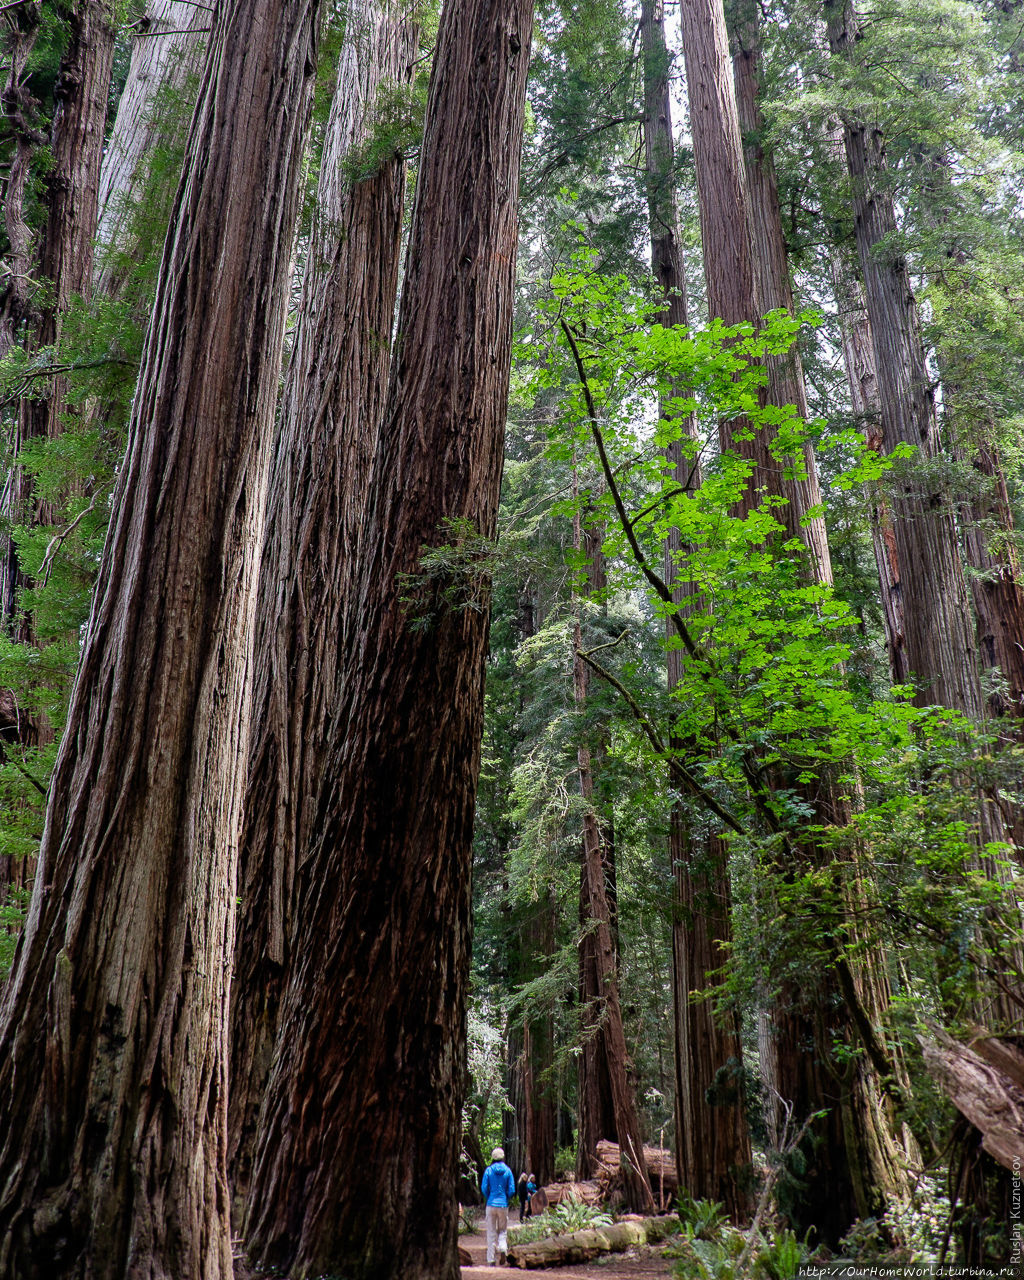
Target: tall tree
<point x="941" y="645"/>
<point x="65" y="252"/>
<point x="848" y="1175"/>
<point x="862" y="381"/>
<point x="327" y="428"/>
<point x="770" y="261"/>
<point x="940" y="621"/>
<point x="706" y="1046"/>
<point x="369" y="1068"/>
<point x="114" y="1024"/>
<point x="44" y="273"/>
<point x="607" y="1100"/>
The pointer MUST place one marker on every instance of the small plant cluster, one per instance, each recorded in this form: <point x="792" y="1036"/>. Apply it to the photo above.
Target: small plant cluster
<point x="708" y="1248"/>
<point x="916" y="1227"/>
<point x="561" y="1220"/>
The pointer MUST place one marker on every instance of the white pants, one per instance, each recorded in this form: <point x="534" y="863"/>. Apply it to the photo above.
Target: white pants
<point x="497" y="1230"/>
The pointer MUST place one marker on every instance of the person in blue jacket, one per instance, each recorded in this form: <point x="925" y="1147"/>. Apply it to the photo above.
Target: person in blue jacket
<point x="498" y="1187"/>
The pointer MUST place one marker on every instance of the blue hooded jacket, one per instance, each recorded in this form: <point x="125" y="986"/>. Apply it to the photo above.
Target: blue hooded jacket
<point x="498" y="1185"/>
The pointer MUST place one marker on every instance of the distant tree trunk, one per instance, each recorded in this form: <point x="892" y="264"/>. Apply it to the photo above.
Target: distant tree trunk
<point x="357" y="1155"/>
<point x="706" y="1048"/>
<point x="607" y="1103"/>
<point x="741" y="226"/>
<point x="148" y="115"/>
<point x="113" y="1027"/>
<point x="328" y="422"/>
<point x="65" y="253"/>
<point x="859" y="362"/>
<point x="64" y="265"/>
<point x="531" y="1057"/>
<point x="598" y="1062"/>
<point x="940" y="629"/>
<point x="970" y="430"/>
<point x="21" y="118"/>
<point x="998" y="582"/>
<point x="941" y="632"/>
<point x="531" y="1092"/>
<point x="771" y="268"/>
<point x="539" y="1133"/>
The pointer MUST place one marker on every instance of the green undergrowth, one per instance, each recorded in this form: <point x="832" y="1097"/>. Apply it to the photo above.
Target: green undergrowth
<point x="565" y="1218"/>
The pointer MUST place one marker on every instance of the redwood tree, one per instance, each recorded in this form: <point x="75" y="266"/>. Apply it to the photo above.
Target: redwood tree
<point x="607" y="1098"/>
<point x="746" y="273"/>
<point x="327" y="427"/>
<point x="712" y="1135"/>
<point x="114" y="1023"/>
<point x="357" y="1153"/>
<point x="941" y="645"/>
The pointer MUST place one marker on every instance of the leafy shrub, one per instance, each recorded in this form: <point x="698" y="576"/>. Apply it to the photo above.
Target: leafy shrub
<point x="565" y="1218"/>
<point x="782" y="1257"/>
<point x="700" y="1219"/>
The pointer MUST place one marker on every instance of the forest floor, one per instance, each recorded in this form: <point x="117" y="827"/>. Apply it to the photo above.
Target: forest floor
<point x="634" y="1265"/>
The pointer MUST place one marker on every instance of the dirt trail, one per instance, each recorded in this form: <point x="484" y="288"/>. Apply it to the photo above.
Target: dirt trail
<point x="615" y="1266"/>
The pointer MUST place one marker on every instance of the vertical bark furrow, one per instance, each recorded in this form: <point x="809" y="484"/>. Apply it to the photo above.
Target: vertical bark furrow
<point x="369" y="1067"/>
<point x="328" y="424"/>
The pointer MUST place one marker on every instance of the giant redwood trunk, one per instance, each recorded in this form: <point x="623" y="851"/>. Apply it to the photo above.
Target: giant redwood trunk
<point x="707" y="1048"/>
<point x="328" y="422"/>
<point x="970" y="429"/>
<point x="771" y="268"/>
<point x="604" y="1088"/>
<point x="941" y="633"/>
<point x="113" y="1027"/>
<point x="357" y="1152"/>
<point x="859" y="363"/>
<point x="532" y="1088"/>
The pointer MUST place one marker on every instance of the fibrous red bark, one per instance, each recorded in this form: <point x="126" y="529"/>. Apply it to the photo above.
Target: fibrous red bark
<point x="363" y="1103"/>
<point x="327" y="429"/>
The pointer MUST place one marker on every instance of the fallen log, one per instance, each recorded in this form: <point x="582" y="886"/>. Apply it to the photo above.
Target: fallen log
<point x="1006" y="1055"/>
<point x="659" y="1163"/>
<point x="982" y="1089"/>
<point x="590" y="1192"/>
<point x="584" y="1246"/>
